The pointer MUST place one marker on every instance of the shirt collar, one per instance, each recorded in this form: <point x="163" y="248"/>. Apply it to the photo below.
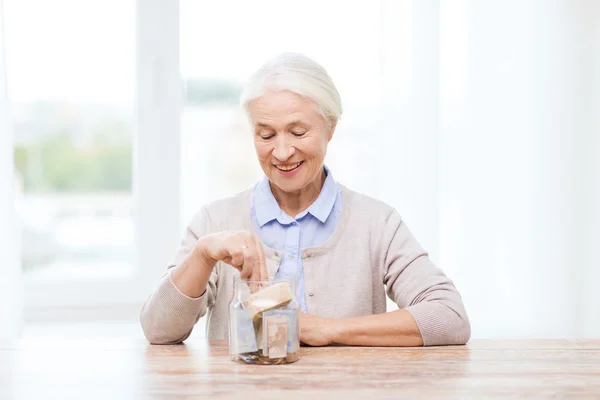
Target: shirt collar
<point x="265" y="205"/>
<point x="322" y="206"/>
<point x="267" y="208"/>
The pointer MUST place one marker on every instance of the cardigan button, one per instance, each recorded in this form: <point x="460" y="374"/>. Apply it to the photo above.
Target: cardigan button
<point x="311" y="294"/>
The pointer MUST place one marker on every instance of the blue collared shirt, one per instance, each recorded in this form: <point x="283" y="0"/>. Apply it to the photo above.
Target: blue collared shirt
<point x="281" y="232"/>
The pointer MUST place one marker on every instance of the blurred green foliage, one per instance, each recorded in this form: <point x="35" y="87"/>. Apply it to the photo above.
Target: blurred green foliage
<point x="200" y="91"/>
<point x="97" y="158"/>
<point x="56" y="164"/>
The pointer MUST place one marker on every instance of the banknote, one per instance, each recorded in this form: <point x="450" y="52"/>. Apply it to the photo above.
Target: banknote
<point x="276" y="335"/>
<point x="243" y="336"/>
<point x="291" y="317"/>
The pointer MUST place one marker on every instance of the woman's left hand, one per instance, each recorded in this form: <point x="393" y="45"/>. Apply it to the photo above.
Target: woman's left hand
<point x="315" y="331"/>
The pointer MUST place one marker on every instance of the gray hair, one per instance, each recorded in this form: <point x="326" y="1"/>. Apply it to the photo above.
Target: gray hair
<point x="298" y="74"/>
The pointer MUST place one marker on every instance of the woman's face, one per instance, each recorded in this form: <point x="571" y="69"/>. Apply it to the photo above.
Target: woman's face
<point x="290" y="137"/>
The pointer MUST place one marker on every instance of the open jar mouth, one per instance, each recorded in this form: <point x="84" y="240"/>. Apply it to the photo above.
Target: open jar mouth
<point x="269" y="281"/>
<point x="258" y="285"/>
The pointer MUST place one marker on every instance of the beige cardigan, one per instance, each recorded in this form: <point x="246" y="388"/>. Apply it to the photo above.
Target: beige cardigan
<point x="371" y="251"/>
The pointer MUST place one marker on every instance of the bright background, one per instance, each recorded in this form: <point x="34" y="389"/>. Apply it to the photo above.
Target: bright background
<point x="478" y="120"/>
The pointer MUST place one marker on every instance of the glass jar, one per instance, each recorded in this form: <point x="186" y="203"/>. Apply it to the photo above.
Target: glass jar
<point x="264" y="322"/>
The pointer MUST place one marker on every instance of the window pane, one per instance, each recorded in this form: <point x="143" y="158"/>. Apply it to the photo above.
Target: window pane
<point x="217" y="56"/>
<point x="70" y="68"/>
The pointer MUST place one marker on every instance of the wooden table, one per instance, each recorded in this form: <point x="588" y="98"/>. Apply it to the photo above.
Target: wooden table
<point x="130" y="369"/>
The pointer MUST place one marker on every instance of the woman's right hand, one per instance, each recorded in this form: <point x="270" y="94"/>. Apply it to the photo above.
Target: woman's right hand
<point x="242" y="250"/>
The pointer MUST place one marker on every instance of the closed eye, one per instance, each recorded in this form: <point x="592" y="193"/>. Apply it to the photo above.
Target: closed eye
<point x="265" y="135"/>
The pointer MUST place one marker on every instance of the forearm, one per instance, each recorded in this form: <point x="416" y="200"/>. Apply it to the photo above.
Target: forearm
<point x="171" y="312"/>
<point x="168" y="316"/>
<point x="395" y="328"/>
<point x="193" y="274"/>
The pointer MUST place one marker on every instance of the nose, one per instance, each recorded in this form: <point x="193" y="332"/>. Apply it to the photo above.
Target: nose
<point x="283" y="150"/>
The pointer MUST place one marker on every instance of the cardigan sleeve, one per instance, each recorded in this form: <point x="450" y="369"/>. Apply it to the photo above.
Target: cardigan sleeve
<point x="417" y="285"/>
<point x="168" y="316"/>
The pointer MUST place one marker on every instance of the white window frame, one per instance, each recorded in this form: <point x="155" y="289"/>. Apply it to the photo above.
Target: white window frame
<point x="156" y="188"/>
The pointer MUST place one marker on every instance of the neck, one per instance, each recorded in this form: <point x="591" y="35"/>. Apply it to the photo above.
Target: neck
<point x="295" y="202"/>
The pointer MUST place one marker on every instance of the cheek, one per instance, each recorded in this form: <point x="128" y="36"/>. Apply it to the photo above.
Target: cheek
<point x="314" y="148"/>
<point x="263" y="151"/>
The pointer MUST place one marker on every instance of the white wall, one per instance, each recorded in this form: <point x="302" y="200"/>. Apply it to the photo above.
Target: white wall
<point x="519" y="174"/>
<point x="407" y="160"/>
<point x="10" y="301"/>
<point x="586" y="22"/>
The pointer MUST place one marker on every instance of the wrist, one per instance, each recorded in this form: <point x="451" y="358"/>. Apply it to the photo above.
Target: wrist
<point x="333" y="330"/>
<point x="201" y="255"/>
<point x="193" y="274"/>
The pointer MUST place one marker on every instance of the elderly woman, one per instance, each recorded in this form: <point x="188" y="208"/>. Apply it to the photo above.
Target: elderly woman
<point x="344" y="249"/>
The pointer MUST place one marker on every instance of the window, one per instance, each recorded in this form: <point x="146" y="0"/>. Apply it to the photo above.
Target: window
<point x="72" y="100"/>
<point x="79" y="74"/>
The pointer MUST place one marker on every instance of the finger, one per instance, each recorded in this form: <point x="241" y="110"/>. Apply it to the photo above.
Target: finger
<point x="245" y="265"/>
<point x="251" y="270"/>
<point x="237" y="258"/>
<point x="251" y="257"/>
<point x="262" y="264"/>
<point x="251" y="262"/>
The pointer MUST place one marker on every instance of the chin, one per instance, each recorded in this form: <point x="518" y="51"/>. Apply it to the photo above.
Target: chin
<point x="287" y="187"/>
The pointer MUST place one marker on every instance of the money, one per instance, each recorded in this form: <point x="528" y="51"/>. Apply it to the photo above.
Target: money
<point x="276" y="335"/>
<point x="292" y="327"/>
<point x="263" y="331"/>
<point x="243" y="338"/>
<point x="258" y="328"/>
<point x="274" y="296"/>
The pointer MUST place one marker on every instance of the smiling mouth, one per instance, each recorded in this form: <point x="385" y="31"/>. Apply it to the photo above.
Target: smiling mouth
<point x="288" y="168"/>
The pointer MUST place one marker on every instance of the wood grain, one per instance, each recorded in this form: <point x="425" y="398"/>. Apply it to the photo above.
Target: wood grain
<point x="131" y="369"/>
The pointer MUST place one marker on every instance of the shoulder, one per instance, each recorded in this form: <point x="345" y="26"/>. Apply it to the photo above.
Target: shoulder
<point x="219" y="213"/>
<point x="228" y="207"/>
<point x="377" y="222"/>
<point x="368" y="208"/>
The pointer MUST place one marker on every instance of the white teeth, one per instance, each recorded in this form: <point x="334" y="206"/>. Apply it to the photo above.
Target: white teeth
<point x="288" y="167"/>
